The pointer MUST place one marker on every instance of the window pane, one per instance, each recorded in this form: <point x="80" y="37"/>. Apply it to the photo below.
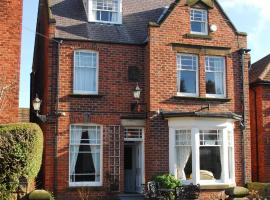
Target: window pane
<point x="214" y="83"/>
<point x="184" y="162"/>
<point x="198" y="27"/>
<point x="188" y="82"/>
<point x="183" y="154"/>
<point x="210" y="163"/>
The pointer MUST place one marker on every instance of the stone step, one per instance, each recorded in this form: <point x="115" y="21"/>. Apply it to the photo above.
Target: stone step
<point x="131" y="197"/>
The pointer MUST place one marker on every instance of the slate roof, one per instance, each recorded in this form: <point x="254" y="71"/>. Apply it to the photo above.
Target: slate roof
<point x="72" y="23"/>
<point x="260" y="71"/>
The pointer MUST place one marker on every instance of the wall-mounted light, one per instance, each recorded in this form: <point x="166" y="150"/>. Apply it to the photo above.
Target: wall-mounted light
<point x="36" y="105"/>
<point x="213" y="28"/>
<point x="137" y="92"/>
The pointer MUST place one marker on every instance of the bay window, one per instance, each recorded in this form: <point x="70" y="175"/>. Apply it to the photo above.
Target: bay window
<point x="105" y="11"/>
<point x="85" y="155"/>
<point x="85" y="72"/>
<point x="215" y="76"/>
<point x="187" y="75"/>
<point x="202" y="151"/>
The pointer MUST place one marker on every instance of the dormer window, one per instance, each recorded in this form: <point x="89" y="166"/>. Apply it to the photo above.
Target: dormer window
<point x="198" y="21"/>
<point x="105" y="11"/>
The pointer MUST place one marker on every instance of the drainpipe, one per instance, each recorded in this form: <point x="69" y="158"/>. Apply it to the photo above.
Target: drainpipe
<point x="257" y="137"/>
<point x="56" y="119"/>
<point x="243" y="52"/>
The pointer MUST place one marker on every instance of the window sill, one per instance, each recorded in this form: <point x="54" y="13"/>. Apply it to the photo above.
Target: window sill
<point x="216" y="186"/>
<point x="90" y="188"/>
<point x="197" y="36"/>
<point x="86" y="95"/>
<point x="202" y="98"/>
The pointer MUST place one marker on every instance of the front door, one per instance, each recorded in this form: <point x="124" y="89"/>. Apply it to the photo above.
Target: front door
<point x="133" y="167"/>
<point x="129" y="169"/>
<point x="134" y="160"/>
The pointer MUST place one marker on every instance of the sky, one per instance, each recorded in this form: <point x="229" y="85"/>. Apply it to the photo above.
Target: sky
<point x="252" y="17"/>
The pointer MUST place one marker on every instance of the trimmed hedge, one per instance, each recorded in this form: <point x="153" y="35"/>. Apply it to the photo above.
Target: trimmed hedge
<point x="21" y="147"/>
<point x="40" y="195"/>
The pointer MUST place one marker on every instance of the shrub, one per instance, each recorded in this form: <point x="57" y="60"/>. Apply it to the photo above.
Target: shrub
<point x="40" y="195"/>
<point x="262" y="189"/>
<point x="21" y="147"/>
<point x="167" y="181"/>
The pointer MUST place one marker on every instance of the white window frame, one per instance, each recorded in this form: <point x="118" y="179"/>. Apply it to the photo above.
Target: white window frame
<point x="178" y="60"/>
<point x="88" y="184"/>
<point x="195" y="125"/>
<point x="97" y="73"/>
<point x="92" y="17"/>
<point x="138" y="139"/>
<point x="224" y="78"/>
<point x="204" y="12"/>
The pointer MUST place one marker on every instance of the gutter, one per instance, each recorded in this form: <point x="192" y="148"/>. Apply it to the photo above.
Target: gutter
<point x="257" y="136"/>
<point x="243" y="52"/>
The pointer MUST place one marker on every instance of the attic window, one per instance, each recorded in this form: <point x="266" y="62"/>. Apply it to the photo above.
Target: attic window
<point x="105" y="11"/>
<point x="198" y="21"/>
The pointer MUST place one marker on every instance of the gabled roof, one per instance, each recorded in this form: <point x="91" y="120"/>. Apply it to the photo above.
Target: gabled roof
<point x="71" y="20"/>
<point x="260" y="71"/>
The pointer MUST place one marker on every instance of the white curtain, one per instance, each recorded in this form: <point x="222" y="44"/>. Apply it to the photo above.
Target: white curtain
<point x="94" y="151"/>
<point x="114" y="17"/>
<point x="85" y="71"/>
<point x="219" y="82"/>
<point x="182" y="156"/>
<point x="75" y="141"/>
<point x="221" y="162"/>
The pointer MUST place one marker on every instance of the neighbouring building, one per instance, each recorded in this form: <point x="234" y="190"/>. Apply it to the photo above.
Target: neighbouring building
<point x="192" y="118"/>
<point x="24" y="115"/>
<point x="259" y="91"/>
<point x="10" y="53"/>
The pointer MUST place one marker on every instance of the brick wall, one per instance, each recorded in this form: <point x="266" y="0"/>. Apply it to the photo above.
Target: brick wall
<point x="10" y="49"/>
<point x="24" y="115"/>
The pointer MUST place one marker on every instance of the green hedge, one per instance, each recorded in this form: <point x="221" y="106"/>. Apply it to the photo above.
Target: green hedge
<point x="167" y="181"/>
<point x="21" y="147"/>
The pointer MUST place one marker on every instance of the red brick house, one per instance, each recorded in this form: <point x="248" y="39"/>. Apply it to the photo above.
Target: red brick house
<point x="259" y="114"/>
<point x="10" y="53"/>
<point x="191" y="119"/>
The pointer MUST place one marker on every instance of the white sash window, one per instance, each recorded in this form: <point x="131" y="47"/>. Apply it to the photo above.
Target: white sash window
<point x="85" y="72"/>
<point x="198" y="21"/>
<point x="215" y="76"/>
<point x="187" y="75"/>
<point x="85" y="156"/>
<point x="105" y="11"/>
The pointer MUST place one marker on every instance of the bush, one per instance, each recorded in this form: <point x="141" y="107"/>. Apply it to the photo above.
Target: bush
<point x="40" y="195"/>
<point x="263" y="189"/>
<point x="21" y="147"/>
<point x="167" y="181"/>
